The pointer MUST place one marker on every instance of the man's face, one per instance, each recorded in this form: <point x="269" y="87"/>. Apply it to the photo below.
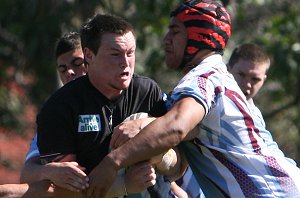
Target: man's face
<point x="174" y="43"/>
<point x="70" y="65"/>
<point x="249" y="76"/>
<point x="111" y="69"/>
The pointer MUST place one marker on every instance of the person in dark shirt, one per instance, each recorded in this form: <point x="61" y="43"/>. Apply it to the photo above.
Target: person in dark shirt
<point x="77" y="121"/>
<point x="70" y="65"/>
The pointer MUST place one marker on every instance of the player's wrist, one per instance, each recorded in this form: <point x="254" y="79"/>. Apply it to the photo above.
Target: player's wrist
<point x="47" y="171"/>
<point x="113" y="160"/>
<point x="157" y="159"/>
<point x="45" y="174"/>
<point x="146" y="121"/>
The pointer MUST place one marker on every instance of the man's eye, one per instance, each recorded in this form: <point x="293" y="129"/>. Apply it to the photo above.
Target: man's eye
<point x="77" y="62"/>
<point x="256" y="80"/>
<point x="241" y="74"/>
<point x="62" y="68"/>
<point x="131" y="53"/>
<point x="174" y="31"/>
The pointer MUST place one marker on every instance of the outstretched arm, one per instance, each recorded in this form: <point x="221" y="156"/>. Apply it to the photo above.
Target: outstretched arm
<point x="160" y="135"/>
<point x="35" y="189"/>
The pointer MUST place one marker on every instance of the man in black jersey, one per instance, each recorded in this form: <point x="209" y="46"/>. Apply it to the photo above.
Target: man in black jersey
<point x="70" y="65"/>
<point x="76" y="123"/>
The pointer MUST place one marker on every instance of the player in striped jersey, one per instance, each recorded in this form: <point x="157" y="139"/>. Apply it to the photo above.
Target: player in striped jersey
<point x="229" y="152"/>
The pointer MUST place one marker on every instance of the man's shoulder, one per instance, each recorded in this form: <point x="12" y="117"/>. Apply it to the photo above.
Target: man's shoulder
<point x="76" y="84"/>
<point x="139" y="80"/>
<point x="69" y="92"/>
<point x="138" y="77"/>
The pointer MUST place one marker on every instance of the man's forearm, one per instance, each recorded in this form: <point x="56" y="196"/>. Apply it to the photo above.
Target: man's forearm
<point x="32" y="171"/>
<point x="13" y="190"/>
<point x="118" y="188"/>
<point x="148" y="143"/>
<point x="160" y="135"/>
<point x="40" y="189"/>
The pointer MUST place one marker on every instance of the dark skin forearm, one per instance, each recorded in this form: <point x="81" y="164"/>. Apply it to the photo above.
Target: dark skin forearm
<point x="31" y="170"/>
<point x="162" y="134"/>
<point x="159" y="136"/>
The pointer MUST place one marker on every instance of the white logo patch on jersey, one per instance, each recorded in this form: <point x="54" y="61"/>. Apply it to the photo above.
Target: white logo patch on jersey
<point x="88" y="123"/>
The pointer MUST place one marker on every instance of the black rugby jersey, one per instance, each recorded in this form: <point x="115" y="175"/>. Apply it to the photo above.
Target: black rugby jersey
<point x="78" y="119"/>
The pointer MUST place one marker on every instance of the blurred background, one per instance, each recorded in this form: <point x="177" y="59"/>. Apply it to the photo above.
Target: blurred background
<point x="29" y="30"/>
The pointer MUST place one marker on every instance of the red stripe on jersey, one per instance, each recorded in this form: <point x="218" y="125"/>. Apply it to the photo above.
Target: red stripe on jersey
<point x="247" y="118"/>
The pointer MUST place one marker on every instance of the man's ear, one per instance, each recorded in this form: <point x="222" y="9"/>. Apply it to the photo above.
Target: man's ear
<point x="265" y="78"/>
<point x="88" y="55"/>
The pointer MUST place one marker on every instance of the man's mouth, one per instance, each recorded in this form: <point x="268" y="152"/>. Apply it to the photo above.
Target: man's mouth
<point x="168" y="51"/>
<point x="124" y="74"/>
<point x="246" y="93"/>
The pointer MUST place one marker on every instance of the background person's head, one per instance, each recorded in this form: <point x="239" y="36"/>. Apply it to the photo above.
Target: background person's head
<point x="109" y="49"/>
<point x="196" y="26"/>
<point x="69" y="57"/>
<point x="249" y="64"/>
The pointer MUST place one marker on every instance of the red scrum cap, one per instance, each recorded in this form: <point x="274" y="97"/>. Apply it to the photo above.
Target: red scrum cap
<point x="207" y="24"/>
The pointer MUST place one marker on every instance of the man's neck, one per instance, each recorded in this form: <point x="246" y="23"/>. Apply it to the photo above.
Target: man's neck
<point x="108" y="91"/>
<point x="198" y="58"/>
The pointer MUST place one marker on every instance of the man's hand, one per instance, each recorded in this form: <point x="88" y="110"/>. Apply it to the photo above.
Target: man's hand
<point x="124" y="131"/>
<point x="67" y="175"/>
<point x="129" y="128"/>
<point x="139" y="177"/>
<point x="101" y="178"/>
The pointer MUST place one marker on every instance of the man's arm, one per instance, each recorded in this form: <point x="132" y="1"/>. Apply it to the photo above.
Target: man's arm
<point x="160" y="135"/>
<point x="137" y="178"/>
<point x="35" y="189"/>
<point x="128" y="129"/>
<point x="167" y="163"/>
<point x="67" y="175"/>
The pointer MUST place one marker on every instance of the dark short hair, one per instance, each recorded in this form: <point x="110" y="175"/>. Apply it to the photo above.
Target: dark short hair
<point x="92" y="31"/>
<point x="250" y="52"/>
<point x="67" y="42"/>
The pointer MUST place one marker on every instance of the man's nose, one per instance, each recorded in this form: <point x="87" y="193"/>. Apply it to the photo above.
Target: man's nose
<point x="246" y="86"/>
<point x="166" y="39"/>
<point x="71" y="72"/>
<point x="125" y="61"/>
